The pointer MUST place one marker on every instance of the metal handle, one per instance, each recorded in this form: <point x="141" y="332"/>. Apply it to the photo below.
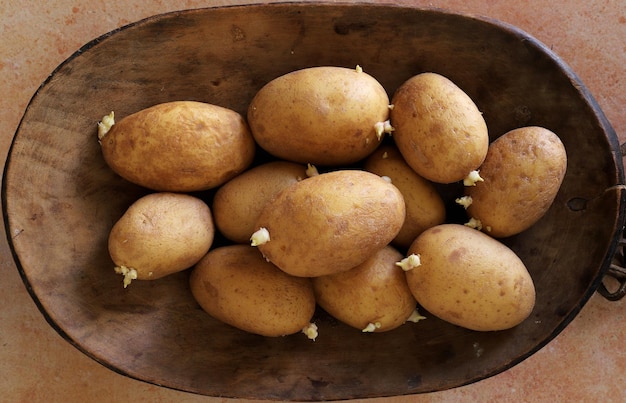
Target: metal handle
<point x="617" y="269"/>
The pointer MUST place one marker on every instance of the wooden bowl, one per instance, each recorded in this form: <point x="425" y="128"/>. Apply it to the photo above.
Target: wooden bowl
<point x="60" y="199"/>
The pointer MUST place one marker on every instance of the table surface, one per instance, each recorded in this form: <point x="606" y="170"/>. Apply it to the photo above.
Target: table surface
<point x="586" y="362"/>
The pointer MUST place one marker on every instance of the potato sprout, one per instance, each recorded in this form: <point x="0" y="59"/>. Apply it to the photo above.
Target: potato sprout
<point x="474" y="223"/>
<point x="371" y="327"/>
<point x="260" y="237"/>
<point x="105" y="125"/>
<point x="410" y="262"/>
<point x="382" y="128"/>
<point x="472" y="178"/>
<point x="464" y="201"/>
<point x="310" y="331"/>
<point x="129" y="274"/>
<point x="415" y="317"/>
<point x="311" y="170"/>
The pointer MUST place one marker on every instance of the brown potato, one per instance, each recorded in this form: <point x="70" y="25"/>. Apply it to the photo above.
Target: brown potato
<point x="438" y="129"/>
<point x="235" y="285"/>
<point x="521" y="176"/>
<point x="470" y="279"/>
<point x="330" y="222"/>
<point x="374" y="294"/>
<point x="238" y="203"/>
<point x="160" y="234"/>
<point x="320" y="115"/>
<point x="179" y="146"/>
<point x="424" y="206"/>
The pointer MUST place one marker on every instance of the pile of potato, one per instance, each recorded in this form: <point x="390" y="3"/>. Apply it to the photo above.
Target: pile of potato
<point x="348" y="214"/>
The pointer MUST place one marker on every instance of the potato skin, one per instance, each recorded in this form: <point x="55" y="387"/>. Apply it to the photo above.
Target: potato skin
<point x="235" y="285"/>
<point x="238" y="203"/>
<point x="438" y="128"/>
<point x="376" y="291"/>
<point x="470" y="279"/>
<point x="179" y="146"/>
<point x="424" y="206"/>
<point x="331" y="222"/>
<point x="522" y="175"/>
<point x="162" y="233"/>
<point x="319" y="115"/>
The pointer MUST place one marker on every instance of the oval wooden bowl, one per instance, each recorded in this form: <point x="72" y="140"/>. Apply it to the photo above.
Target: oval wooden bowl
<point x="60" y="198"/>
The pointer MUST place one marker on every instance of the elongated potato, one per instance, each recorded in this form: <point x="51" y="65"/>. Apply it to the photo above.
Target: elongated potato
<point x="238" y="203"/>
<point x="521" y="176"/>
<point x="470" y="279"/>
<point x="438" y="129"/>
<point x="424" y="206"/>
<point x="330" y="222"/>
<point x="160" y="234"/>
<point x="373" y="296"/>
<point x="179" y="146"/>
<point x="321" y="115"/>
<point x="235" y="285"/>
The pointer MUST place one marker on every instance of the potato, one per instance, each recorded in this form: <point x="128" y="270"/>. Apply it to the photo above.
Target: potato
<point x="438" y="128"/>
<point x="160" y="234"/>
<point x="238" y="203"/>
<point x="320" y="115"/>
<point x="179" y="146"/>
<point x="424" y="206"/>
<point x="470" y="279"/>
<point x="330" y="222"/>
<point x="373" y="296"/>
<point x="521" y="176"/>
<point x="235" y="285"/>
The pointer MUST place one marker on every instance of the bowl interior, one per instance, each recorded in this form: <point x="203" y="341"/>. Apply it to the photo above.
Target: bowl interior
<point x="60" y="198"/>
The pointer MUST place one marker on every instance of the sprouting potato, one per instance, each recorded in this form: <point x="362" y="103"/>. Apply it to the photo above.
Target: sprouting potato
<point x="235" y="285"/>
<point x="521" y="177"/>
<point x="374" y="294"/>
<point x="438" y="129"/>
<point x="160" y="234"/>
<point x="470" y="279"/>
<point x="238" y="203"/>
<point x="330" y="222"/>
<point x="179" y="146"/>
<point x="320" y="115"/>
<point x="424" y="206"/>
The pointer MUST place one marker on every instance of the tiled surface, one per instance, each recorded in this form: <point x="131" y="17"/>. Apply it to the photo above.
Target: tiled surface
<point x="586" y="362"/>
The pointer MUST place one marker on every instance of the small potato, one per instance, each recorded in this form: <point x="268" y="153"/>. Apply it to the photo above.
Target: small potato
<point x="321" y="115"/>
<point x="470" y="279"/>
<point x="179" y="146"/>
<point x="521" y="176"/>
<point x="160" y="234"/>
<point x="330" y="222"/>
<point x="438" y="129"/>
<point x="424" y="206"/>
<point x="235" y="285"/>
<point x="238" y="203"/>
<point x="374" y="293"/>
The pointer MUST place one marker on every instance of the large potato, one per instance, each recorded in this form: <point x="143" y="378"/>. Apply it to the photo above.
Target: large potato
<point x="238" y="203"/>
<point x="470" y="279"/>
<point x="438" y="129"/>
<point x="179" y="146"/>
<point x="521" y="175"/>
<point x="235" y="285"/>
<point x="320" y="115"/>
<point x="373" y="296"/>
<point x="330" y="222"/>
<point x="160" y="234"/>
<point x="424" y="206"/>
